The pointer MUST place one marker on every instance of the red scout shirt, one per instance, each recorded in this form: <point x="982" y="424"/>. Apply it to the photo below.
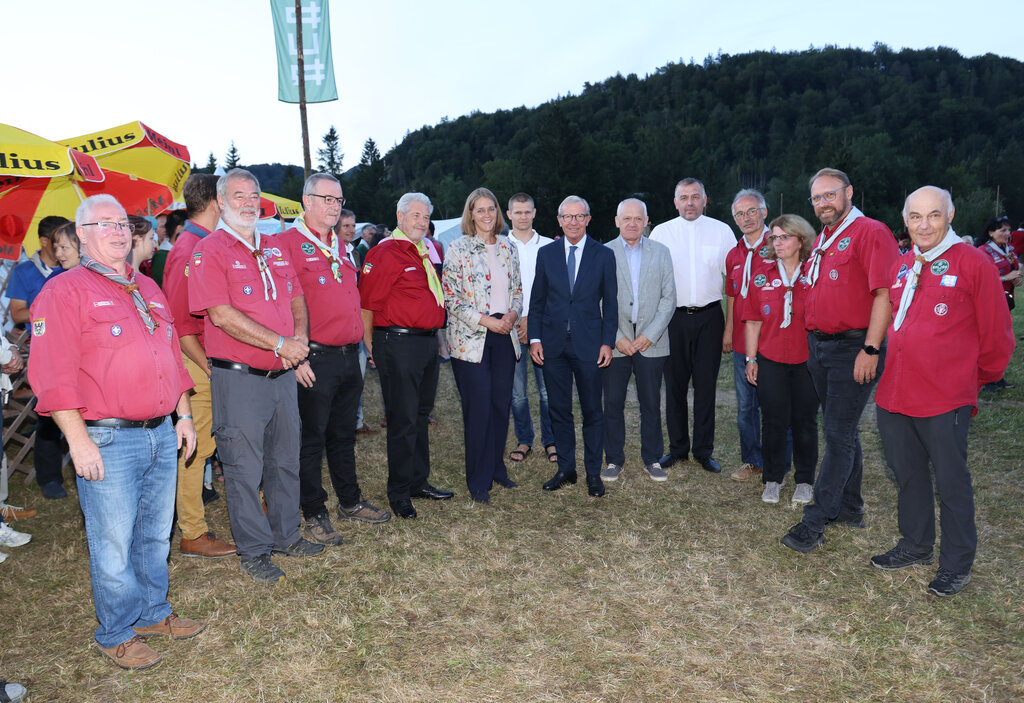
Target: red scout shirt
<point x="766" y="302"/>
<point x="734" y="262"/>
<point x="176" y="282"/>
<point x="394" y="286"/>
<point x="334" y="316"/>
<point x="224" y="272"/>
<point x="851" y="268"/>
<point x="91" y="350"/>
<point x="956" y="337"/>
<point x="1006" y="263"/>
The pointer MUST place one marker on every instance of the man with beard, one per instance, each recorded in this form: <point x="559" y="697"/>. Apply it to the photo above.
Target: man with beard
<point x="328" y="408"/>
<point x="256" y="330"/>
<point x="847" y="312"/>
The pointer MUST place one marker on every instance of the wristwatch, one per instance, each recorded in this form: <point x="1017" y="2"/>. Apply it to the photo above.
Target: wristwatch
<point x="870" y="350"/>
<point x="751" y="360"/>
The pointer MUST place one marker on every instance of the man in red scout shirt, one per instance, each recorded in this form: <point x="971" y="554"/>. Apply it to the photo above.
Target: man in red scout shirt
<point x="402" y="309"/>
<point x="106" y="366"/>
<point x="328" y="408"/>
<point x="846" y="313"/>
<point x="256" y="330"/>
<point x="200" y="194"/>
<point x="950" y="335"/>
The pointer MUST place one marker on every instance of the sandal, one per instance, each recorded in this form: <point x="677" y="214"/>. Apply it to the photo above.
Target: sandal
<point x="518" y="454"/>
<point x="552" y="453"/>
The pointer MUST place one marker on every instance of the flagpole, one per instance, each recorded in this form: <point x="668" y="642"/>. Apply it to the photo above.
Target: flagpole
<point x="302" y="88"/>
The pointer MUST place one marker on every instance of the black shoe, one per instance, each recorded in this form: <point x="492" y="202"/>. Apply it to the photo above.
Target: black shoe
<point x="506" y="483"/>
<point x="849" y="520"/>
<point x="946" y="583"/>
<point x="403" y="508"/>
<point x="801" y="539"/>
<point x="432" y="493"/>
<point x="594" y="485"/>
<point x="708" y="464"/>
<point x="561" y="478"/>
<point x="209" y="495"/>
<point x="261" y="569"/>
<point x="900" y="558"/>
<point x="480" y="496"/>
<point x="669" y="459"/>
<point x="300" y="548"/>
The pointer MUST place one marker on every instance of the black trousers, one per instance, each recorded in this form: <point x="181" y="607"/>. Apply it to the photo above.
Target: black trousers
<point x="910" y="443"/>
<point x="328" y="415"/>
<point x="408" y="368"/>
<point x="648" y="372"/>
<point x="788" y="402"/>
<point x="695" y="341"/>
<point x="49" y="454"/>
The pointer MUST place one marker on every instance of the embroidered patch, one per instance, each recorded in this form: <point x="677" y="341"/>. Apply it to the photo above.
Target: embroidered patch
<point x="766" y="309"/>
<point x="267" y="253"/>
<point x="843" y="243"/>
<point x="102" y="303"/>
<point x="311" y="259"/>
<point x="39" y="327"/>
<point x="247" y="290"/>
<point x="308" y="248"/>
<point x="904" y="270"/>
<point x="777" y="282"/>
<point x="238" y="265"/>
<point x="760" y="279"/>
<point x="804" y="280"/>
<point x="169" y="332"/>
<point x="197" y="258"/>
<point x="275" y="251"/>
<point x="116" y="330"/>
<point x="834" y="275"/>
<point x="939" y="267"/>
<point x="948" y="280"/>
<point x="322" y="280"/>
<point x="941" y="309"/>
<point x="367" y="267"/>
<point x="764" y="252"/>
<point x="186" y="270"/>
<point x="289" y="287"/>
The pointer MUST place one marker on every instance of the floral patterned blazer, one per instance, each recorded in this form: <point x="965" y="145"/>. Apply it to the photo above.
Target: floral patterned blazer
<point x="466" y="280"/>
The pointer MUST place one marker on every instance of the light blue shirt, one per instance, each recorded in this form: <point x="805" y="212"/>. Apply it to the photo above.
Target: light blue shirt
<point x="634" y="255"/>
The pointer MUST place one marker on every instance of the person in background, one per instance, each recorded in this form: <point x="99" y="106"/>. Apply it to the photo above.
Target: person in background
<point x="143" y="241"/>
<point x="995" y="242"/>
<point x="10" y="363"/>
<point x="173" y="224"/>
<point x="66" y="247"/>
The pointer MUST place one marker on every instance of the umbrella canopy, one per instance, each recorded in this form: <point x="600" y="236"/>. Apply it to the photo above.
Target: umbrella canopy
<point x="288" y="209"/>
<point x="138" y="150"/>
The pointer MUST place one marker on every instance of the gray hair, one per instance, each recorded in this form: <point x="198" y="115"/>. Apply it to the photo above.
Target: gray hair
<point x="572" y="199"/>
<point x="831" y="173"/>
<point x="947" y="199"/>
<point x="316" y="178"/>
<point x="84" y="210"/>
<point x="627" y="201"/>
<point x="222" y="184"/>
<point x="346" y="214"/>
<point x="409" y="198"/>
<point x="751" y="193"/>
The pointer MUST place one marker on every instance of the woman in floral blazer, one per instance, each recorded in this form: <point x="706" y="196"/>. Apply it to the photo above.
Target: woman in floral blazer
<point x="484" y="298"/>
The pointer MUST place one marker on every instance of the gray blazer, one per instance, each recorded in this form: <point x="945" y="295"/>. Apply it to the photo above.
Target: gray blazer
<point x="657" y="290"/>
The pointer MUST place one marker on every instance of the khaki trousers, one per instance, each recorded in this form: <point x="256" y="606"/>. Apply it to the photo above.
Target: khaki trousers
<point x="191" y="512"/>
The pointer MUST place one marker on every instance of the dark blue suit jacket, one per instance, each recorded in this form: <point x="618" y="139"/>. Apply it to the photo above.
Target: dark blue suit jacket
<point x="592" y="306"/>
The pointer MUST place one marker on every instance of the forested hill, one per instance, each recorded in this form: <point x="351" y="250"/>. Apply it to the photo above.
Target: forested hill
<point x="892" y="120"/>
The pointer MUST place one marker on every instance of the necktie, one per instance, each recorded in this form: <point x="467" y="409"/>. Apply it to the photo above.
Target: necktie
<point x="572" y="267"/>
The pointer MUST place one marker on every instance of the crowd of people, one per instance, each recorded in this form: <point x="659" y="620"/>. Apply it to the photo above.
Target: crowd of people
<point x="255" y="347"/>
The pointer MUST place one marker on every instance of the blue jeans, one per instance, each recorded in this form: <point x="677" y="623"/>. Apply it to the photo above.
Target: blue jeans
<point x="748" y="413"/>
<point x="128" y="526"/>
<point x="837" y="489"/>
<point x="521" y="404"/>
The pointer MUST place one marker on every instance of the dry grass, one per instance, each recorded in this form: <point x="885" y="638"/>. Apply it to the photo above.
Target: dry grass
<point x="674" y="591"/>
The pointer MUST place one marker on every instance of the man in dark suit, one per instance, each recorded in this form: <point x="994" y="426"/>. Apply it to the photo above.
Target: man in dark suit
<point x="572" y="323"/>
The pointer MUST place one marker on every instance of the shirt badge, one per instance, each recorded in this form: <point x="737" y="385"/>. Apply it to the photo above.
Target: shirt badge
<point x="39" y="327"/>
<point x="267" y="253"/>
<point x="766" y="309"/>
<point x="115" y="330"/>
<point x="247" y="290"/>
<point x="322" y="280"/>
<point x="367" y="267"/>
<point x="238" y="265"/>
<point x="843" y="243"/>
<point x="197" y="258"/>
<point x="102" y="303"/>
<point x="308" y="248"/>
<point x="777" y="282"/>
<point x="764" y="252"/>
<point x="186" y="270"/>
<point x="834" y="275"/>
<point x="275" y="251"/>
<point x="169" y="328"/>
<point x="940" y="267"/>
<point x="760" y="279"/>
<point x="289" y="287"/>
<point x="941" y="309"/>
<point x="904" y="270"/>
<point x="948" y="280"/>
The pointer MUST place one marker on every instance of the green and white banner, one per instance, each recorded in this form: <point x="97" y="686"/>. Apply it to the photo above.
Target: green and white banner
<point x="316" y="51"/>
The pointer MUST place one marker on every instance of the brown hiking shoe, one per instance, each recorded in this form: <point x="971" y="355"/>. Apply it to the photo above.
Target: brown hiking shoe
<point x="320" y="530"/>
<point x="10" y="513"/>
<point x="132" y="654"/>
<point x="207" y="546"/>
<point x="363" y="512"/>
<point x="745" y="473"/>
<point x="172" y="626"/>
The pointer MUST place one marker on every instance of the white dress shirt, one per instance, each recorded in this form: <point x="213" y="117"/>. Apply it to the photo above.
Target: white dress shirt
<point x="528" y="263"/>
<point x="698" y="252"/>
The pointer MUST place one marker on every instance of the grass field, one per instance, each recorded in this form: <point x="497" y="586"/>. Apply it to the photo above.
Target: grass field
<point x="657" y="592"/>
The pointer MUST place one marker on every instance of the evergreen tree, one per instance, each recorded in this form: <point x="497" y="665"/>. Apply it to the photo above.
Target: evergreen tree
<point x="291" y="186"/>
<point x="371" y="192"/>
<point x="211" y="164"/>
<point x="330" y="156"/>
<point x="232" y="160"/>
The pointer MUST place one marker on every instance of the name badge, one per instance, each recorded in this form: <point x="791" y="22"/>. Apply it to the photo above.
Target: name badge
<point x="948" y="280"/>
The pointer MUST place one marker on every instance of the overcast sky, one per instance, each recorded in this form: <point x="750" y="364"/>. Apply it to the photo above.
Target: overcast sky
<point x="203" y="72"/>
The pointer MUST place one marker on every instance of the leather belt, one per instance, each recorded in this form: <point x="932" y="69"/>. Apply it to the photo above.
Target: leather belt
<point x="344" y="349"/>
<point x="127" y="424"/>
<point x="245" y="368"/>
<point x="702" y="308"/>
<point x="407" y="330"/>
<point x="833" y="336"/>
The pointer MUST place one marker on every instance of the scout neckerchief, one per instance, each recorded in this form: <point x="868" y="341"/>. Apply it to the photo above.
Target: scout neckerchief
<point x="126" y="282"/>
<point x="42" y="268"/>
<point x="421" y="249"/>
<point x="820" y="249"/>
<point x="992" y="245"/>
<point x="750" y="258"/>
<point x="920" y="259"/>
<point x="788" y="282"/>
<point x="269" y="287"/>
<point x="330" y="250"/>
<point x="195" y="229"/>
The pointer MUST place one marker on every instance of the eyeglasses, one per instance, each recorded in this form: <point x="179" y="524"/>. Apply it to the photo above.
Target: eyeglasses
<point x="779" y="237"/>
<point x="111" y="227"/>
<point x="827" y="197"/>
<point x="329" y="199"/>
<point x="747" y="214"/>
<point x="574" y="218"/>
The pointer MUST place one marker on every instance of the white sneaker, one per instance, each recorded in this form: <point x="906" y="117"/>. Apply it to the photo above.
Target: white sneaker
<point x="771" y="492"/>
<point x="9" y="537"/>
<point x="803" y="494"/>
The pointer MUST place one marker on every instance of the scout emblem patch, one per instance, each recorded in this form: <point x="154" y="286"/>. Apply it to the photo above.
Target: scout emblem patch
<point x="308" y="249"/>
<point x="843" y="243"/>
<point x="39" y="327"/>
<point x="764" y="251"/>
<point x="116" y="330"/>
<point x="247" y="290"/>
<point x="834" y="275"/>
<point x="940" y="267"/>
<point x="760" y="279"/>
<point x="941" y="309"/>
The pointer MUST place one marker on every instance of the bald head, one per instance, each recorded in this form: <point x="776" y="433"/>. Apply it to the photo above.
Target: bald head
<point x="928" y="213"/>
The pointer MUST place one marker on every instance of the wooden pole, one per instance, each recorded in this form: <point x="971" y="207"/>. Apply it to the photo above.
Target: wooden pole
<point x="997" y="202"/>
<point x="302" y="89"/>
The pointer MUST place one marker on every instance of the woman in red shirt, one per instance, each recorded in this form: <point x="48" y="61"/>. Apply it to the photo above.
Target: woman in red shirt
<point x="995" y="242"/>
